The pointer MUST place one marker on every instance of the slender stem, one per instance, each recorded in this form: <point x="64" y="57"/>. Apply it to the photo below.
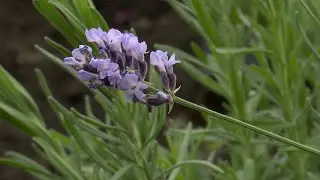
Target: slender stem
<point x="246" y="125"/>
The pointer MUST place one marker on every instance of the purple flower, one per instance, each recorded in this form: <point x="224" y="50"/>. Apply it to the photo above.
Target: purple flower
<point x="169" y="64"/>
<point x="96" y="35"/>
<point x="165" y="68"/>
<point x="161" y="61"/>
<point x="113" y="74"/>
<point x="98" y="64"/>
<point x="72" y="62"/>
<point x="87" y="76"/>
<point x="132" y="46"/>
<point x="113" y="38"/>
<point x="80" y="57"/>
<point x="133" y="87"/>
<point x="107" y="68"/>
<point x="158" y="58"/>
<point x="91" y="78"/>
<point x="121" y="64"/>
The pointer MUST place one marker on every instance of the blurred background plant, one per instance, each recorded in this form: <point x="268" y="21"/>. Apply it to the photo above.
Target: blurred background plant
<point x="257" y="56"/>
<point x="260" y="60"/>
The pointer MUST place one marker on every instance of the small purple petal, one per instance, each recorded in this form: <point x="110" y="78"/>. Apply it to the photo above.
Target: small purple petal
<point x="85" y="48"/>
<point x="139" y="95"/>
<point x="98" y="63"/>
<point x="129" y="41"/>
<point x="78" y="55"/>
<point x="113" y="39"/>
<point x="172" y="60"/>
<point x="125" y="40"/>
<point x="143" y="47"/>
<point x="156" y="60"/>
<point x="131" y="77"/>
<point x="113" y="69"/>
<point x="72" y="62"/>
<point x="124" y="84"/>
<point x="113" y="66"/>
<point x="169" y="64"/>
<point x="96" y="35"/>
<point x="132" y="46"/>
<point x="115" y="79"/>
<point x="86" y="76"/>
<point x="141" y="85"/>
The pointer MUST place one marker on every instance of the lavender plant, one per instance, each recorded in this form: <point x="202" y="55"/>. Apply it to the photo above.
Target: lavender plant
<point x="269" y="99"/>
<point x="259" y="61"/>
<point x="122" y="66"/>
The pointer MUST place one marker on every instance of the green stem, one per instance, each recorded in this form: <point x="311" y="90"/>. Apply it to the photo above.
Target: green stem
<point x="246" y="125"/>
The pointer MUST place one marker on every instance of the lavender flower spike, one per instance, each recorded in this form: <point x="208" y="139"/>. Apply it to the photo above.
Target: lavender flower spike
<point x="133" y="87"/>
<point x="122" y="64"/>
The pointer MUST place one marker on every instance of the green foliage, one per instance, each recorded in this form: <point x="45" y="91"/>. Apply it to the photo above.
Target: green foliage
<point x="272" y="92"/>
<point x="274" y="97"/>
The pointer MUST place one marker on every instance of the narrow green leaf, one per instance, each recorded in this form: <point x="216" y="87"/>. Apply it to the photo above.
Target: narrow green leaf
<point x="56" y="19"/>
<point x="80" y="136"/>
<point x="306" y="39"/>
<point x="88" y="107"/>
<point x="16" y="91"/>
<point x="119" y="174"/>
<point x="88" y="14"/>
<point x="17" y="118"/>
<point x="249" y="170"/>
<point x="60" y="48"/>
<point x="193" y="162"/>
<point x="199" y="52"/>
<point x="203" y="16"/>
<point x="307" y="8"/>
<point x="28" y="164"/>
<point x="82" y="9"/>
<point x="96" y="123"/>
<point x="55" y="59"/>
<point x="234" y="51"/>
<point x="182" y="152"/>
<point x="43" y="83"/>
<point x="27" y="167"/>
<point x="99" y="19"/>
<point x="62" y="165"/>
<point x="71" y="17"/>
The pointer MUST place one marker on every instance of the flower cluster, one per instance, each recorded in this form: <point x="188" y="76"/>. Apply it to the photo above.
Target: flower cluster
<point x="121" y="64"/>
